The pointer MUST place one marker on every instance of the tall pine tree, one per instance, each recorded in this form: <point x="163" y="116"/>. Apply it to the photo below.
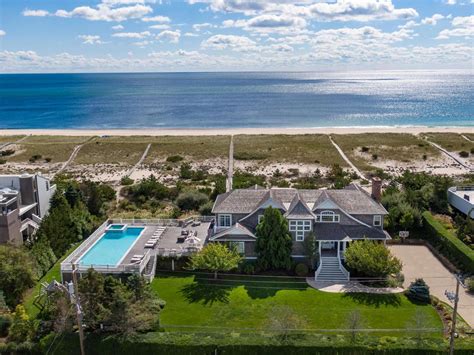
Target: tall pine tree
<point x="274" y="241"/>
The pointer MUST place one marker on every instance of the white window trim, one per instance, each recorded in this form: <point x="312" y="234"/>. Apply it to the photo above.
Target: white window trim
<point x="225" y="215"/>
<point x="240" y="247"/>
<point x="377" y="220"/>
<point x="300" y="226"/>
<point x="260" y="217"/>
<point x="336" y="218"/>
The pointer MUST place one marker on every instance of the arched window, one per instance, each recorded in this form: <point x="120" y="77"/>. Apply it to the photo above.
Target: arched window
<point x="327" y="216"/>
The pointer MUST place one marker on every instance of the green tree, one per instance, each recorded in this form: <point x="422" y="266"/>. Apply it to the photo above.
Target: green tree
<point x="21" y="328"/>
<point x="311" y="248"/>
<point x="191" y="200"/>
<point x="16" y="273"/>
<point x="274" y="242"/>
<point x="93" y="298"/>
<point x="372" y="259"/>
<point x="215" y="257"/>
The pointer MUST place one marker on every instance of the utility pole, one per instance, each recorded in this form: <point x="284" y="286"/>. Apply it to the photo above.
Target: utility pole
<point x="78" y="309"/>
<point x="454" y="298"/>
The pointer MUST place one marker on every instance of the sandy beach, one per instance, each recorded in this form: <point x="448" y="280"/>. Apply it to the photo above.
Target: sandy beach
<point x="233" y="131"/>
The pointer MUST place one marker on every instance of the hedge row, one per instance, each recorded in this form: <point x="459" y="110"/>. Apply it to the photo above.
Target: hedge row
<point x="96" y="344"/>
<point x="450" y="246"/>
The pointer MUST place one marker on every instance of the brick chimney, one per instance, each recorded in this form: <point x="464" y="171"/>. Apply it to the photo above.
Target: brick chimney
<point x="377" y="189"/>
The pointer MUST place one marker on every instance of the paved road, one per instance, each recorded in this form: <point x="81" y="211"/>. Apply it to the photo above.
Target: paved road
<point x="418" y="261"/>
<point x="348" y="161"/>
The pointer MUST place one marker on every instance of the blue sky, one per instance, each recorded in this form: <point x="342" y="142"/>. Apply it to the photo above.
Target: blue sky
<point x="221" y="35"/>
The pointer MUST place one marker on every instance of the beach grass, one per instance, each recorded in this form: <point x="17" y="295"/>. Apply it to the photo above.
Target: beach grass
<point x="44" y="152"/>
<point x="469" y="135"/>
<point x="116" y="150"/>
<point x="308" y="149"/>
<point x="363" y="149"/>
<point x="56" y="139"/>
<point x="9" y="139"/>
<point x="452" y="142"/>
<point x="243" y="303"/>
<point x="197" y="148"/>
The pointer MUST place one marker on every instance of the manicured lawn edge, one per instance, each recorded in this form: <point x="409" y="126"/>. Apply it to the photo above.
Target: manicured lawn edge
<point x="201" y="343"/>
<point x="450" y="246"/>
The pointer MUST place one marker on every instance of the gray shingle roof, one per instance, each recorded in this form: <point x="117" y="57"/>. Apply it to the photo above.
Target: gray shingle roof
<point x="336" y="231"/>
<point x="353" y="200"/>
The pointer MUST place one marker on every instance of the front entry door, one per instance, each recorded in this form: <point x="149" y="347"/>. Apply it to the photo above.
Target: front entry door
<point x="328" y="245"/>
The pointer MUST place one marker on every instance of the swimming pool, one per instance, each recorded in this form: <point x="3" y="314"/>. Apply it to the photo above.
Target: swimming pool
<point x="112" y="246"/>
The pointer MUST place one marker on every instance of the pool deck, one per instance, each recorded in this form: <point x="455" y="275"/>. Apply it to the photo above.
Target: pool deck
<point x="139" y="247"/>
<point x="169" y="240"/>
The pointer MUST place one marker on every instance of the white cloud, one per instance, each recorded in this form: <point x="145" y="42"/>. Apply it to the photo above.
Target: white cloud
<point x="199" y="26"/>
<point x="2" y="33"/>
<point x="118" y="28"/>
<point x="35" y="13"/>
<point x="340" y="10"/>
<point x="190" y="34"/>
<point x="433" y="20"/>
<point x="104" y="12"/>
<point x="127" y="2"/>
<point x="461" y="27"/>
<point x="450" y="2"/>
<point x="236" y="43"/>
<point x="142" y="44"/>
<point x="163" y="19"/>
<point x="169" y="36"/>
<point x="132" y="34"/>
<point x="159" y="27"/>
<point x="269" y="23"/>
<point x="90" y="39"/>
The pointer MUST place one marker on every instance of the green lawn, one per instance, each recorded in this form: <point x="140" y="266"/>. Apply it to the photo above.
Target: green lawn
<point x="249" y="304"/>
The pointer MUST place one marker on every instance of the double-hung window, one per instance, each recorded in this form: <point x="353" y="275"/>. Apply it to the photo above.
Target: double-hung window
<point x="225" y="220"/>
<point x="300" y="227"/>
<point x="260" y="217"/>
<point x="240" y="247"/>
<point x="377" y="220"/>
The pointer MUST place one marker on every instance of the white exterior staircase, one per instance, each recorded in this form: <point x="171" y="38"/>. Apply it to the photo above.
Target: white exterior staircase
<point x="331" y="270"/>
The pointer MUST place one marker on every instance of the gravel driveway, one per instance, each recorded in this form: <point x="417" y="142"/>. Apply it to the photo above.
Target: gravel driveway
<point x="418" y="261"/>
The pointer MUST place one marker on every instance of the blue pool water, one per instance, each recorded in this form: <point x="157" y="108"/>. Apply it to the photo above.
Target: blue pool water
<point x="111" y="247"/>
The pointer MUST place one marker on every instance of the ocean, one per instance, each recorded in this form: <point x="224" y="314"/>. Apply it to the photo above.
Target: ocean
<point x="237" y="100"/>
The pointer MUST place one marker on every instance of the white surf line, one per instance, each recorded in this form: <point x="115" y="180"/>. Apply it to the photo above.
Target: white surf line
<point x="347" y="160"/>
<point x="452" y="156"/>
<point x="145" y="153"/>
<point x="467" y="138"/>
<point x="73" y="156"/>
<point x="230" y="168"/>
<point x="15" y="142"/>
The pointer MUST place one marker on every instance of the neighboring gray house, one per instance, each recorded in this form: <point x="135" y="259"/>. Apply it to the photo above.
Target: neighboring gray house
<point x="24" y="201"/>
<point x="462" y="198"/>
<point x="336" y="217"/>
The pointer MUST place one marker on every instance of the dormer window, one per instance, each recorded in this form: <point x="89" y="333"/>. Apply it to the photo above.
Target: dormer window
<point x="377" y="220"/>
<point x="225" y="220"/>
<point x="328" y="217"/>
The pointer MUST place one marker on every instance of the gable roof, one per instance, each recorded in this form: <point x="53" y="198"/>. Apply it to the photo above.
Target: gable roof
<point x="237" y="231"/>
<point x="352" y="200"/>
<point x="298" y="209"/>
<point x="336" y="231"/>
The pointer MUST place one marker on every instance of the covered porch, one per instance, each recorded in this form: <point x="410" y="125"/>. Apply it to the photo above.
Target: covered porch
<point x="333" y="248"/>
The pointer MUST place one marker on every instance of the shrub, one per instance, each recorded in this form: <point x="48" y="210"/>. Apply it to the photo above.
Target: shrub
<point x="424" y="157"/>
<point x="126" y="180"/>
<point x="215" y="257"/>
<point x="5" y="322"/>
<point x="364" y="149"/>
<point x="472" y="150"/>
<point x="463" y="154"/>
<point x="470" y="284"/>
<point x="249" y="156"/>
<point x="301" y="269"/>
<point x="419" y="291"/>
<point x="369" y="258"/>
<point x="174" y="158"/>
<point x="3" y="161"/>
<point x="48" y="160"/>
<point x="450" y="246"/>
<point x="185" y="171"/>
<point x="248" y="268"/>
<point x="375" y="156"/>
<point x="191" y="200"/>
<point x="205" y="210"/>
<point x="7" y="152"/>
